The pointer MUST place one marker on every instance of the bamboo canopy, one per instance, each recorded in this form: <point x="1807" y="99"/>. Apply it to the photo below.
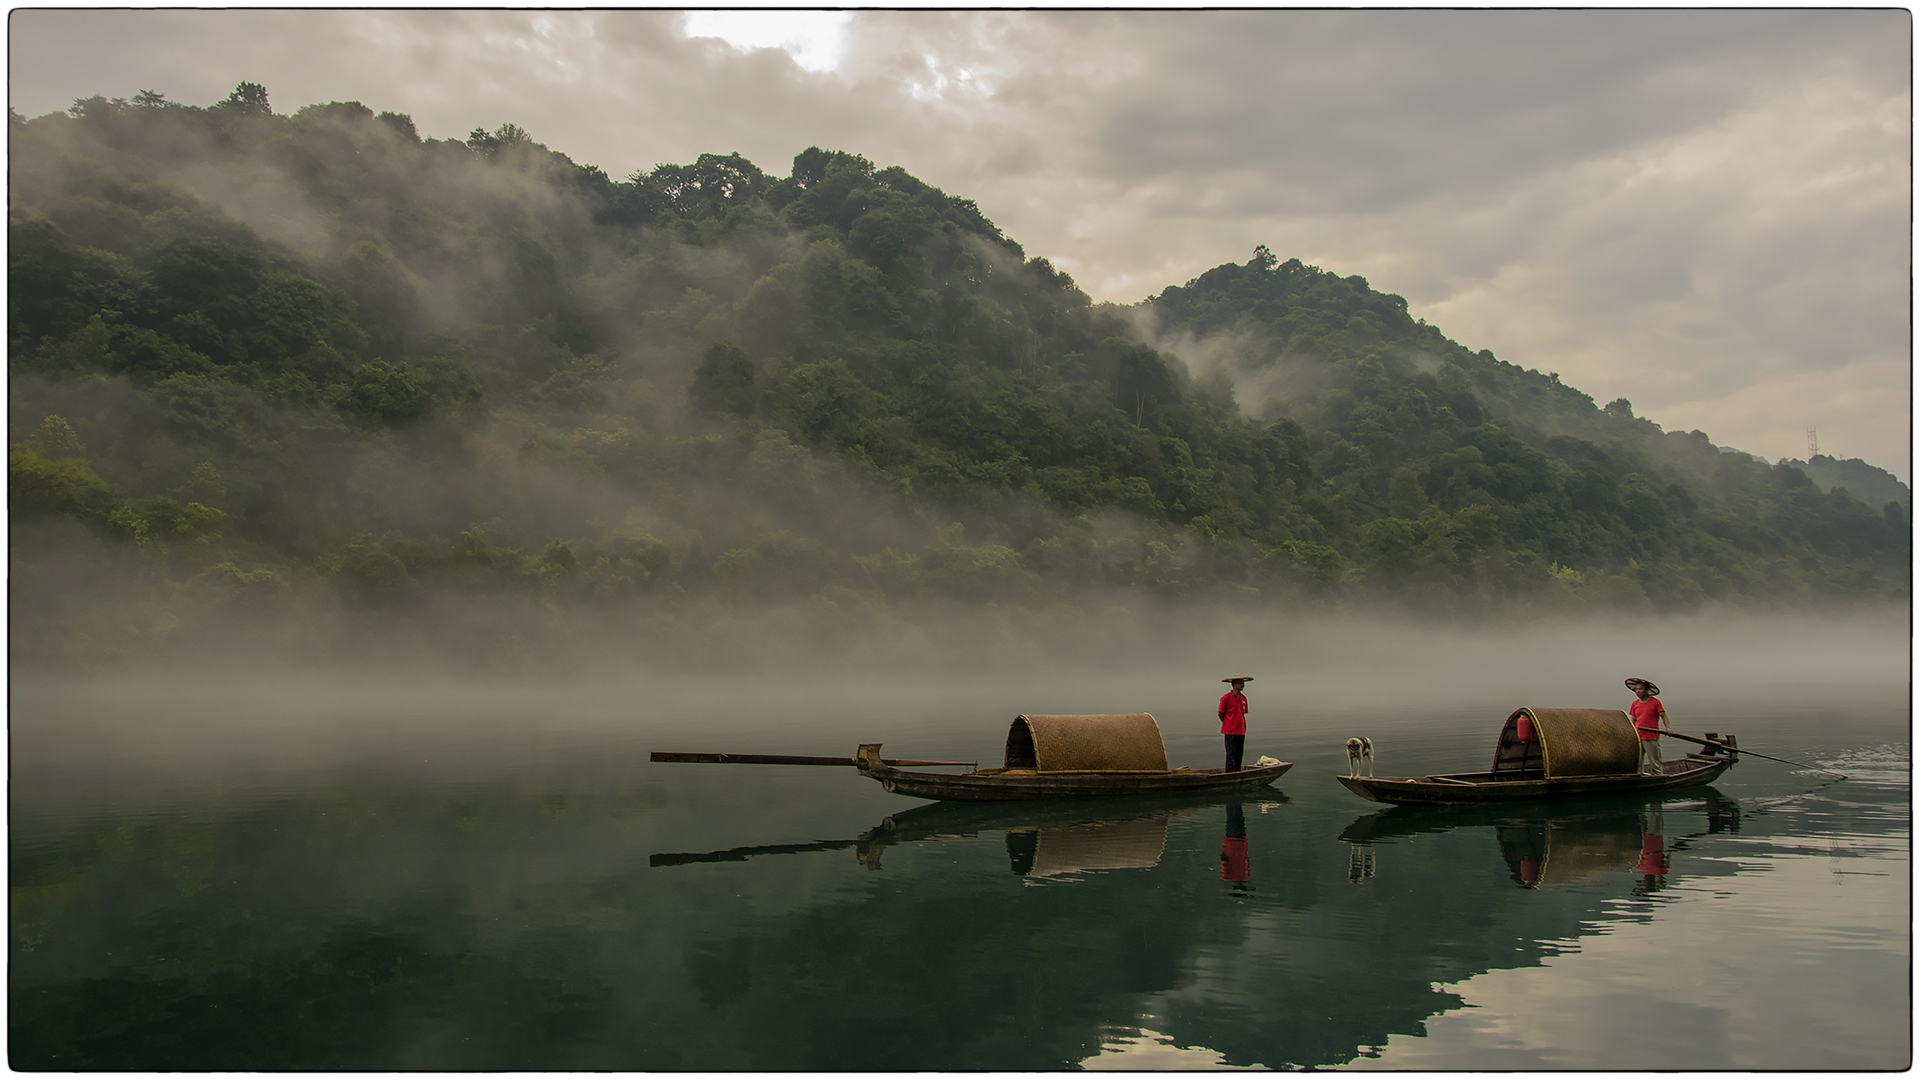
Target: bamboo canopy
<point x="1115" y="742"/>
<point x="1581" y="742"/>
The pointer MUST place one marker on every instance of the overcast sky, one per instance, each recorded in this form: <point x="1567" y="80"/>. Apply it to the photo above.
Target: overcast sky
<point x="1707" y="212"/>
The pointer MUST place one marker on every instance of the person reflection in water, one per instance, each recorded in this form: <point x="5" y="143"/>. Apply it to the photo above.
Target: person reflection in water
<point x="1233" y="719"/>
<point x="1655" y="861"/>
<point x="1235" y="867"/>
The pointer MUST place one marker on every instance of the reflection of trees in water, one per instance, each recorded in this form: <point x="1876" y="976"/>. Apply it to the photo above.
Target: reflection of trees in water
<point x="495" y="927"/>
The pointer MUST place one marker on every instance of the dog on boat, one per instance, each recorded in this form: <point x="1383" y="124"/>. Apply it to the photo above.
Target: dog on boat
<point x="1359" y="750"/>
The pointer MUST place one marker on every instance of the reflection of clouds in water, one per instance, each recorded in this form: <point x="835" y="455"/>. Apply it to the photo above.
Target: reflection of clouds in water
<point x="1885" y="764"/>
<point x="1145" y="1050"/>
<point x="1654" y="980"/>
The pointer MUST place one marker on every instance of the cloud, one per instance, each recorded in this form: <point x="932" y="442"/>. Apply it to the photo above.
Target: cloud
<point x="815" y="39"/>
<point x="1680" y="207"/>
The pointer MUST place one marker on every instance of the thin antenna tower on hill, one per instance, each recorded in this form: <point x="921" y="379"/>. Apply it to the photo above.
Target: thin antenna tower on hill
<point x="1813" y="441"/>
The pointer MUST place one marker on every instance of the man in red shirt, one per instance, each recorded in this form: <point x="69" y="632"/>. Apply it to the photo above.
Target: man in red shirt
<point x="1233" y="719"/>
<point x="1649" y="716"/>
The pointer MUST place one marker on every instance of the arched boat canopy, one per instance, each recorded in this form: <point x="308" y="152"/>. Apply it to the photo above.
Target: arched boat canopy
<point x="1115" y="742"/>
<point x="1568" y="742"/>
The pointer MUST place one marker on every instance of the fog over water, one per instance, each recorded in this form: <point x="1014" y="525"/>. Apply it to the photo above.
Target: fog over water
<point x="459" y="868"/>
<point x="113" y="732"/>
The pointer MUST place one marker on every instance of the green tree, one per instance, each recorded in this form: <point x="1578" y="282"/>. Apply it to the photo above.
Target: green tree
<point x="247" y="99"/>
<point x="723" y="382"/>
<point x="386" y="393"/>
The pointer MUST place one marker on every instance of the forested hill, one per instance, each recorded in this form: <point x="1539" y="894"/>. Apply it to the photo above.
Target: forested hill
<point x="287" y="363"/>
<point x="1871" y="485"/>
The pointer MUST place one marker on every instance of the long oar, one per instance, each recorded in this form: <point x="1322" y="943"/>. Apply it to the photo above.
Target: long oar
<point x="1742" y="750"/>
<point x="790" y="759"/>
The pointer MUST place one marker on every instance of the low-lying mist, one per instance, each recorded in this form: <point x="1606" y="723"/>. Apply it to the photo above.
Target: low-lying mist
<point x="791" y="670"/>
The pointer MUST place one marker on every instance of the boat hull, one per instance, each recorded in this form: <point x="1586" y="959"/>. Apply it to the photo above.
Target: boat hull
<point x="995" y="786"/>
<point x="1466" y="788"/>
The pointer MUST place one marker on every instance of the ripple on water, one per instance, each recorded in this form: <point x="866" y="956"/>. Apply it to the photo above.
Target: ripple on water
<point x="1885" y="765"/>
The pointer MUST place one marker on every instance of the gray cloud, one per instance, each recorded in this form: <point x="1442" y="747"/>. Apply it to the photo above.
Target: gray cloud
<point x="1705" y="211"/>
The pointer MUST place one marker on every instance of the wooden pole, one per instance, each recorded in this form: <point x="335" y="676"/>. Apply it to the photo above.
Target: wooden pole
<point x="788" y="759"/>
<point x="1742" y="750"/>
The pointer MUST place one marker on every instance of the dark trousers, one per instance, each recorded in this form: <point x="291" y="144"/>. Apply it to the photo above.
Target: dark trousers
<point x="1236" y="745"/>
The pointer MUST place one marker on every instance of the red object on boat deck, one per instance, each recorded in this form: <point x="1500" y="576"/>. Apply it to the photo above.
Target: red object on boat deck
<point x="1524" y="729"/>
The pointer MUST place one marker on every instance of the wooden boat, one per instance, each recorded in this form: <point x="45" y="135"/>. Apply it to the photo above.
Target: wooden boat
<point x="1553" y="754"/>
<point x="1064" y="757"/>
<point x="1048" y="757"/>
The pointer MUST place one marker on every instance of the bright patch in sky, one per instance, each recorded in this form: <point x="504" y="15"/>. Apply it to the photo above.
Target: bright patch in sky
<point x="816" y="39"/>
<point x="939" y="81"/>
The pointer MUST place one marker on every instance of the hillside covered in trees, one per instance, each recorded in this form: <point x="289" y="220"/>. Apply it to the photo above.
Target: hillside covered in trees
<point x="315" y="375"/>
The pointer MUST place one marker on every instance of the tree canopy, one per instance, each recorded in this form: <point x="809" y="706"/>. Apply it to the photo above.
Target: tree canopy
<point x="272" y="361"/>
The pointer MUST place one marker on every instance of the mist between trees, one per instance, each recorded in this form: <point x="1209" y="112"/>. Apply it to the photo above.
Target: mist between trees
<point x="316" y="386"/>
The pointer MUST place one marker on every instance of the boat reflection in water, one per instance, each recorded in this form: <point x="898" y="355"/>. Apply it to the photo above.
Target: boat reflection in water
<point x="1043" y="851"/>
<point x="1545" y="845"/>
<point x="1572" y="851"/>
<point x="1044" y="840"/>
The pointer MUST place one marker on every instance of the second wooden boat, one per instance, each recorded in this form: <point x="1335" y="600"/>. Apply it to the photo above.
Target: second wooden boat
<point x="1551" y="754"/>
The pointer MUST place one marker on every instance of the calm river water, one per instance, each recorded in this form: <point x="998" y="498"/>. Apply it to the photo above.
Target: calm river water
<point x="284" y="876"/>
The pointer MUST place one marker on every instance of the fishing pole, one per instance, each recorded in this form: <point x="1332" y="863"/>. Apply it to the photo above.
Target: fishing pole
<point x="1742" y="750"/>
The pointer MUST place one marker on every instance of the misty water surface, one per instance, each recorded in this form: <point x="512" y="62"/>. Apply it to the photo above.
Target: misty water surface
<point x="318" y="873"/>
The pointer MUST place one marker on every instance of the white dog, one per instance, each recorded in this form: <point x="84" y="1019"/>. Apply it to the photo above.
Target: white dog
<point x="1357" y="751"/>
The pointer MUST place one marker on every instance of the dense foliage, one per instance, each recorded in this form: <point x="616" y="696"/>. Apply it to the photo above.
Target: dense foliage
<point x="1871" y="485"/>
<point x="281" y="364"/>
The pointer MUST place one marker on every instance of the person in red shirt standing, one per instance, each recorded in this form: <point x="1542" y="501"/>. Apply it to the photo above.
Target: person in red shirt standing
<point x="1233" y="719"/>
<point x="1649" y="716"/>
